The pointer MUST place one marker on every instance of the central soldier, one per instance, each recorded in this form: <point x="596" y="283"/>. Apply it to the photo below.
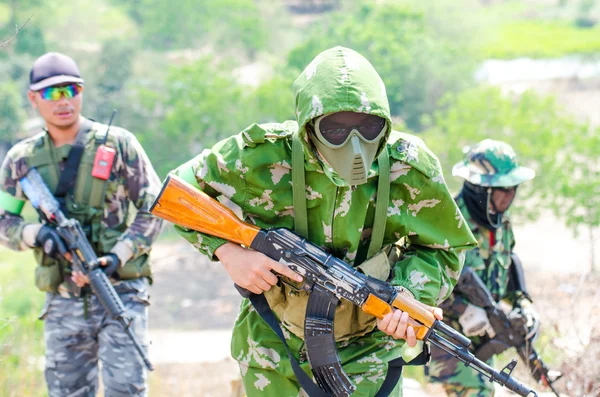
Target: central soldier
<point x="322" y="175"/>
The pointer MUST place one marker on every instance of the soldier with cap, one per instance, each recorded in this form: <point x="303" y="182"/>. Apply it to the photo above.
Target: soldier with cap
<point x="97" y="194"/>
<point x="491" y="176"/>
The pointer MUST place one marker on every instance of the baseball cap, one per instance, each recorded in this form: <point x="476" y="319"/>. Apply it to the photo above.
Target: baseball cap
<point x="51" y="69"/>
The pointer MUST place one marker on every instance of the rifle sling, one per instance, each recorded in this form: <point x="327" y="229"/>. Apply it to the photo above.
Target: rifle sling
<point x="262" y="308"/>
<point x="69" y="175"/>
<point x="394" y="366"/>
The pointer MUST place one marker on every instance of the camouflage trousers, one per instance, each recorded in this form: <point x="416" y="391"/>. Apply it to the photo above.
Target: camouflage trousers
<point x="458" y="380"/>
<point x="266" y="370"/>
<point x="74" y="344"/>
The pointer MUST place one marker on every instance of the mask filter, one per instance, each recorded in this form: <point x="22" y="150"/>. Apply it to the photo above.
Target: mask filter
<point x="359" y="170"/>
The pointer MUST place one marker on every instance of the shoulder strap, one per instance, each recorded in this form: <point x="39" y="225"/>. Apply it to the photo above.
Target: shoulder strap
<point x="69" y="174"/>
<point x="383" y="199"/>
<point x="299" y="187"/>
<point x="299" y="196"/>
<point x="264" y="311"/>
<point x="394" y="366"/>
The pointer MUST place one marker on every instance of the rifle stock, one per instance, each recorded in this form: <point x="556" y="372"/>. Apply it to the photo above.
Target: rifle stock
<point x="183" y="204"/>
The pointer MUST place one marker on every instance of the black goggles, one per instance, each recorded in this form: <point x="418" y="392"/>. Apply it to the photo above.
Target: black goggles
<point x="337" y="135"/>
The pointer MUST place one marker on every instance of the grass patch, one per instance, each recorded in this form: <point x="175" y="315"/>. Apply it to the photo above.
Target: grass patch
<point x="21" y="334"/>
<point x="540" y="39"/>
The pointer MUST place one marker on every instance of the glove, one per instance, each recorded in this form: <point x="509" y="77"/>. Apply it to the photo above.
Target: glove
<point x="525" y="317"/>
<point x="51" y="242"/>
<point x="113" y="263"/>
<point x="475" y="322"/>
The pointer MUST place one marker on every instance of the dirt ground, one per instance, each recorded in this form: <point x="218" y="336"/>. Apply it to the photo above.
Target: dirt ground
<point x="195" y="305"/>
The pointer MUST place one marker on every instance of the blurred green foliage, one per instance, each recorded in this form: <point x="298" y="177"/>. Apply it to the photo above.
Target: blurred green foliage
<point x="12" y="114"/>
<point x="522" y="121"/>
<point x="195" y="116"/>
<point x="417" y="62"/>
<point x="21" y="334"/>
<point x="541" y="39"/>
<point x="192" y="23"/>
<point x="564" y="153"/>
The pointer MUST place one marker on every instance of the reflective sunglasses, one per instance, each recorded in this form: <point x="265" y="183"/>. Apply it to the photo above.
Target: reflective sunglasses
<point x="54" y="93"/>
<point x="337" y="135"/>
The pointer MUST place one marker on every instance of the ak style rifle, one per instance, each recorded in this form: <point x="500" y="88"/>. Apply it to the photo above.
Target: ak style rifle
<point x="511" y="330"/>
<point x="83" y="256"/>
<point x="324" y="275"/>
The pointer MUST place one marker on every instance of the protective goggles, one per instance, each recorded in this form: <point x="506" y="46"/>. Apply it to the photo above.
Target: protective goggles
<point x="54" y="93"/>
<point x="337" y="135"/>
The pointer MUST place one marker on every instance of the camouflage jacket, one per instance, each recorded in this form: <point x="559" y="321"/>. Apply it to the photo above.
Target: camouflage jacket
<point x="490" y="262"/>
<point x="132" y="180"/>
<point x="253" y="169"/>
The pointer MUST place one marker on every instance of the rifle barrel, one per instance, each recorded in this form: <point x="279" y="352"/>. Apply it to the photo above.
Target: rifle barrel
<point x="501" y="377"/>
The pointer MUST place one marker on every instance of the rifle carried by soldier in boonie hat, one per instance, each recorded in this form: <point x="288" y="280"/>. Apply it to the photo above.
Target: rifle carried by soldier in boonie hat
<point x="511" y="330"/>
<point x="327" y="279"/>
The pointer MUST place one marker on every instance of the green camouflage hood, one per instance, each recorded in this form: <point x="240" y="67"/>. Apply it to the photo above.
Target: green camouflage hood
<point x="337" y="80"/>
<point x="492" y="163"/>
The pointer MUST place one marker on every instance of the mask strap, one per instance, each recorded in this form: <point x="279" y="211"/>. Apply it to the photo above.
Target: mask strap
<point x="491" y="203"/>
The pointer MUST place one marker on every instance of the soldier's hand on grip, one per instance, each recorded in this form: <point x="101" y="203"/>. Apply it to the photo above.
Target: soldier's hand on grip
<point x="52" y="244"/>
<point x="110" y="264"/>
<point x="251" y="269"/>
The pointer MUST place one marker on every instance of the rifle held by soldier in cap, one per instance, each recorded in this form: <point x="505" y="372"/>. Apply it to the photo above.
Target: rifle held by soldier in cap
<point x="82" y="255"/>
<point x="181" y="203"/>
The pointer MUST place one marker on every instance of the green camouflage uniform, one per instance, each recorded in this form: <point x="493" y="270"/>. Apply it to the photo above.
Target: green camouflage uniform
<point x="253" y="169"/>
<point x="488" y="164"/>
<point x="74" y="343"/>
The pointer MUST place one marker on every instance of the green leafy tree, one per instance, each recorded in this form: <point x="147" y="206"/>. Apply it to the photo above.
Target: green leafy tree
<point x="524" y="122"/>
<point x="418" y="62"/>
<point x="273" y="100"/>
<point x="563" y="152"/>
<point x="13" y="89"/>
<point x="107" y="78"/>
<point x="12" y="115"/>
<point x="30" y="39"/>
<point x="192" y="23"/>
<point x="203" y="105"/>
<point x="578" y="198"/>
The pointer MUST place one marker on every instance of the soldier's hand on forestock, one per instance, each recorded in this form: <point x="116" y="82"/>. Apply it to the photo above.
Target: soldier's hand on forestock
<point x="51" y="242"/>
<point x="396" y="325"/>
<point x="252" y="270"/>
<point x="110" y="264"/>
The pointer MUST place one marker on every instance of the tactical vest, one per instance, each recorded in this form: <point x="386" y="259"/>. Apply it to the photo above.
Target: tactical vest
<point x="350" y="320"/>
<point x="85" y="203"/>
